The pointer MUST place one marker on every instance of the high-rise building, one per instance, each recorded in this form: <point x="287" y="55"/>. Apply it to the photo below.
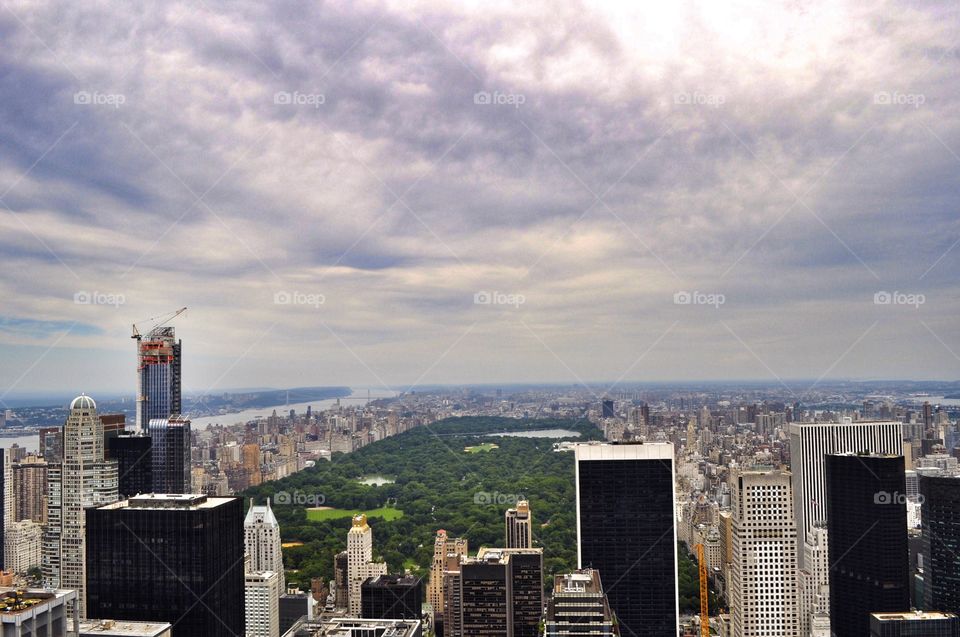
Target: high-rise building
<point x="261" y="533"/>
<point x="170" y="454"/>
<point x="6" y="500"/>
<point x="134" y="455"/>
<point x="262" y="604"/>
<point x="360" y="564"/>
<point x="867" y="535"/>
<point x="22" y="543"/>
<point x="810" y="442"/>
<point x="83" y="479"/>
<point x="51" y="444"/>
<point x="626" y="530"/>
<point x="392" y="597"/>
<point x="294" y="606"/>
<point x="914" y="624"/>
<point x="764" y="600"/>
<point x="30" y="489"/>
<point x="443" y="546"/>
<point x="606" y="410"/>
<point x="940" y="522"/>
<point x="176" y="558"/>
<point x="501" y="593"/>
<point x="813" y="580"/>
<point x="341" y="581"/>
<point x="158" y="374"/>
<point x="578" y="607"/>
<point x="519" y="524"/>
<point x="452" y="606"/>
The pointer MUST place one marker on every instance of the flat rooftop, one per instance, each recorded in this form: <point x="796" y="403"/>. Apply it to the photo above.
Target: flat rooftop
<point x="188" y="501"/>
<point x="113" y="628"/>
<point x="913" y="616"/>
<point x="14" y="601"/>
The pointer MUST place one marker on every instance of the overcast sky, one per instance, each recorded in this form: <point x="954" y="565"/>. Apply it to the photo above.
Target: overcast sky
<point x="330" y="186"/>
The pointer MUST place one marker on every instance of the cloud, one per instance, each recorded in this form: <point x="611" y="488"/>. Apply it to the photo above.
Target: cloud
<point x="795" y="157"/>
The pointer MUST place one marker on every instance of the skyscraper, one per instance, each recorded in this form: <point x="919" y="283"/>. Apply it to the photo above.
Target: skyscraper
<point x="940" y="522"/>
<point x="810" y="442"/>
<point x="360" y="564"/>
<point x="443" y="546"/>
<point x="83" y="479"/>
<point x="134" y="456"/>
<point x="261" y="604"/>
<point x="170" y="454"/>
<point x="867" y="535"/>
<point x="501" y="593"/>
<point x="578" y="606"/>
<point x="261" y="533"/>
<point x="174" y="558"/>
<point x="626" y="530"/>
<point x="30" y="489"/>
<point x="392" y="597"/>
<point x="764" y="598"/>
<point x="158" y="372"/>
<point x="519" y="525"/>
<point x="6" y="500"/>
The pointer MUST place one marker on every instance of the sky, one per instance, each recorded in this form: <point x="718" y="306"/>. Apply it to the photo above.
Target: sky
<point x="398" y="193"/>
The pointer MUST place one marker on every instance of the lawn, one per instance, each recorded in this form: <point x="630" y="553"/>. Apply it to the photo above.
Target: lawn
<point x="387" y="513"/>
<point x="487" y="446"/>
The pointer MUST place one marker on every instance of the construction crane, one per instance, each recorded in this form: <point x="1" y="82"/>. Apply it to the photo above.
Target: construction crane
<point x="163" y="319"/>
<point x="704" y="601"/>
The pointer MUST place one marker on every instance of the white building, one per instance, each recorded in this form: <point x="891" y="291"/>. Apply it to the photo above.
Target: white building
<point x="45" y="613"/>
<point x="262" y="604"/>
<point x="82" y="480"/>
<point x="764" y="588"/>
<point x="810" y="441"/>
<point x="261" y="534"/>
<point x="814" y="580"/>
<point x="360" y="564"/>
<point x="22" y="542"/>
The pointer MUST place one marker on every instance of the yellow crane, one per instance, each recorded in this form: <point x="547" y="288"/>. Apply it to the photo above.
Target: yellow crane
<point x="704" y="601"/>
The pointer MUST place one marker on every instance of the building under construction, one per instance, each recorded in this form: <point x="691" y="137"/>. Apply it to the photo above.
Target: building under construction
<point x="158" y="374"/>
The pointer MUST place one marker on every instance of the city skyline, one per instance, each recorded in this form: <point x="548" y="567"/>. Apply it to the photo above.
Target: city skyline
<point x="452" y="194"/>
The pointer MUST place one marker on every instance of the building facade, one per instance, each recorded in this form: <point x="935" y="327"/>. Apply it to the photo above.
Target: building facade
<point x="392" y="597"/>
<point x="158" y="375"/>
<point x="261" y="604"/>
<point x="764" y="599"/>
<point x="501" y="593"/>
<point x="519" y="526"/>
<point x="134" y="456"/>
<point x="83" y="479"/>
<point x="261" y="533"/>
<point x="626" y="529"/>
<point x="360" y="564"/>
<point x="578" y="607"/>
<point x="866" y="526"/>
<point x="141" y="551"/>
<point x="940" y="523"/>
<point x="170" y="455"/>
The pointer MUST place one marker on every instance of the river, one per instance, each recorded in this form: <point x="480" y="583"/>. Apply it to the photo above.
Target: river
<point x="357" y="397"/>
<point x="31" y="443"/>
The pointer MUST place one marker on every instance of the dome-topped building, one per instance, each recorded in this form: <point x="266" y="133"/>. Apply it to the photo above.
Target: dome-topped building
<point x="83" y="402"/>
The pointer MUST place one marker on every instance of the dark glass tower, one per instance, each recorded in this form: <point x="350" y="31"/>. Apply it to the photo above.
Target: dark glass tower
<point x="391" y="597"/>
<point x="941" y="543"/>
<point x="170" y="455"/>
<point x="134" y="456"/>
<point x="177" y="559"/>
<point x="867" y="539"/>
<point x="625" y="530"/>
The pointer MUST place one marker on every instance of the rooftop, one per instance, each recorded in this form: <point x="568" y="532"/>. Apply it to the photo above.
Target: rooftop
<point x="182" y="501"/>
<point x="113" y="628"/>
